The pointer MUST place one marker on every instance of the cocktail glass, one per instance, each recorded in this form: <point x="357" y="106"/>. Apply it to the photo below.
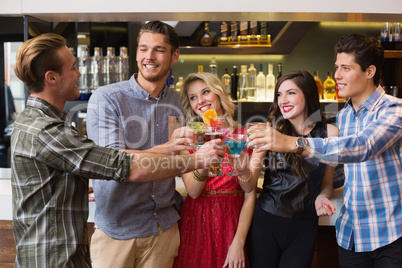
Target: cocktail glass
<point x="201" y="128"/>
<point x="235" y="140"/>
<point x="215" y="131"/>
<point x="260" y="127"/>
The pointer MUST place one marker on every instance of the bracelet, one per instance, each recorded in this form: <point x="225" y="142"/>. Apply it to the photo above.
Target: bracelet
<point x="199" y="177"/>
<point x="246" y="179"/>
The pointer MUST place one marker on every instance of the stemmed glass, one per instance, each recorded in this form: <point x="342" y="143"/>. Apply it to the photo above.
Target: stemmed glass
<point x="235" y="140"/>
<point x="201" y="128"/>
<point x="215" y="131"/>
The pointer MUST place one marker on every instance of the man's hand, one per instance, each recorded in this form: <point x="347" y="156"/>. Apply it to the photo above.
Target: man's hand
<point x="210" y="153"/>
<point x="269" y="139"/>
<point x="179" y="141"/>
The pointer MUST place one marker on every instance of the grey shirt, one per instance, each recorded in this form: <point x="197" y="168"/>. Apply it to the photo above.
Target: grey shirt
<point x="124" y="116"/>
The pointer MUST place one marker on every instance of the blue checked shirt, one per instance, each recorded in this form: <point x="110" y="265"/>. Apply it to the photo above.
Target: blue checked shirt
<point x="369" y="145"/>
<point x="124" y="116"/>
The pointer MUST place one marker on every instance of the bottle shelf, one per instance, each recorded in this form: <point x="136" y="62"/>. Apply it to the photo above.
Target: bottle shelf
<point x="393" y="54"/>
<point x="231" y="49"/>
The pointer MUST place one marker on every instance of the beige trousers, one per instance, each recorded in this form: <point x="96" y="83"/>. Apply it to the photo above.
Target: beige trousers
<point x="147" y="252"/>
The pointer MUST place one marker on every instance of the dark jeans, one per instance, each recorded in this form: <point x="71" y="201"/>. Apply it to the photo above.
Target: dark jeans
<point x="389" y="256"/>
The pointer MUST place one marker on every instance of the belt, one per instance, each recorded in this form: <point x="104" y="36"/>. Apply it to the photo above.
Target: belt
<point x="223" y="192"/>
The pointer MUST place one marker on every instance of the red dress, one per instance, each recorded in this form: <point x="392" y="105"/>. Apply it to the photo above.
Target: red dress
<point x="209" y="223"/>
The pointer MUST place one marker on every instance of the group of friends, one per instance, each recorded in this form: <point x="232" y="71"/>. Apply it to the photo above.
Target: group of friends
<point x="142" y="221"/>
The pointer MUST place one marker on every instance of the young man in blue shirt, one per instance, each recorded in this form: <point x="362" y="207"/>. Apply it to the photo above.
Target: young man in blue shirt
<point x="369" y="226"/>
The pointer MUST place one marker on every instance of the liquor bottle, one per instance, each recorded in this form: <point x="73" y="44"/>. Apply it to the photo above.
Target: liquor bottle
<point x="84" y="67"/>
<point x="200" y="68"/>
<point x="243" y="39"/>
<point x="279" y="74"/>
<point x="72" y="50"/>
<point x="397" y="32"/>
<point x="226" y="81"/>
<point x="385" y="32"/>
<point x="253" y="32"/>
<point x="213" y="66"/>
<point x="243" y="83"/>
<point x="225" y="33"/>
<point x="206" y="39"/>
<point x="108" y="67"/>
<point x="179" y="84"/>
<point x="264" y="32"/>
<point x="234" y="32"/>
<point x="234" y="83"/>
<point x="252" y="86"/>
<point x="123" y="65"/>
<point x="329" y="87"/>
<point x="96" y="69"/>
<point x="319" y="85"/>
<point x="261" y="84"/>
<point x="270" y="83"/>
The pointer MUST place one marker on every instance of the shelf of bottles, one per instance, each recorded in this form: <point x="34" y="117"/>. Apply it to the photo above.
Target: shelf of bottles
<point x="250" y="85"/>
<point x="245" y="37"/>
<point x="98" y="70"/>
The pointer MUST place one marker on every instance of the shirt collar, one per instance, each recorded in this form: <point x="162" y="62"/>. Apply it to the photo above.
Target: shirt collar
<point x="141" y="93"/>
<point x="48" y="108"/>
<point x="371" y="101"/>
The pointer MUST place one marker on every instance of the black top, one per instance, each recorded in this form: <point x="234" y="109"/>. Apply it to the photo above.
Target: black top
<point x="284" y="193"/>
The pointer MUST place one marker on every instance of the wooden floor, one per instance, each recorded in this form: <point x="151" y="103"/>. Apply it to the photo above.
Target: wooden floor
<point x="325" y="256"/>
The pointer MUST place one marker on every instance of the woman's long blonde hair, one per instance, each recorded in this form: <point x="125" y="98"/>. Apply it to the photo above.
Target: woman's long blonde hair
<point x="216" y="86"/>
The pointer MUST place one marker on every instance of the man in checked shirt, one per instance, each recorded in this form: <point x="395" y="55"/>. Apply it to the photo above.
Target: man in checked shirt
<point x="52" y="162"/>
<point x="369" y="226"/>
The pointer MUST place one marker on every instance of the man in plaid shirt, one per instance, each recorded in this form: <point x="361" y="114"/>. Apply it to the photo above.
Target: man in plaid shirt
<point x="369" y="227"/>
<point x="52" y="162"/>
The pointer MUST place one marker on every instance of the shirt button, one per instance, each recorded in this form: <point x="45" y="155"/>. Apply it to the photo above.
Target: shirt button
<point x="157" y="125"/>
<point x="153" y="196"/>
<point x="155" y="214"/>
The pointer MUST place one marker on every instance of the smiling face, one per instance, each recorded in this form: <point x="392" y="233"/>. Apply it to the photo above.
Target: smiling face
<point x="352" y="81"/>
<point x="202" y="98"/>
<point x="154" y="57"/>
<point x="291" y="101"/>
<point x="68" y="78"/>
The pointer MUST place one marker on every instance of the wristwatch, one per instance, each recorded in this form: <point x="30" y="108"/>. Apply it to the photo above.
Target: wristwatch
<point x="301" y="144"/>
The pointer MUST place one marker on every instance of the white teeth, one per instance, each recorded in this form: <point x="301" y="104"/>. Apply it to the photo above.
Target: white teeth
<point x="150" y="66"/>
<point x="287" y="108"/>
<point x="204" y="108"/>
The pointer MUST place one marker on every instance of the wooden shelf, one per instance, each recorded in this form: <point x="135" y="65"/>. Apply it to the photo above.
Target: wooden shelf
<point x="283" y="44"/>
<point x="393" y="54"/>
<point x="242" y="49"/>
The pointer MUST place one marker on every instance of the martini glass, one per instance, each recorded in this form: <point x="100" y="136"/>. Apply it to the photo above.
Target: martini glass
<point x="235" y="140"/>
<point x="201" y="128"/>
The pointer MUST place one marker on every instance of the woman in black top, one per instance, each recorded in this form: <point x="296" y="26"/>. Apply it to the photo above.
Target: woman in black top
<point x="285" y="219"/>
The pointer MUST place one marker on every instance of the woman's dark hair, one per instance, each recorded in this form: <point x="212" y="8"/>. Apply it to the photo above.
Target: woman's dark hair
<point x="366" y="50"/>
<point x="306" y="83"/>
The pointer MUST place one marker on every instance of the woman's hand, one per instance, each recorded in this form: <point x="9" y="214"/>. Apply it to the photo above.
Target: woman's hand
<point x="235" y="257"/>
<point x="324" y="206"/>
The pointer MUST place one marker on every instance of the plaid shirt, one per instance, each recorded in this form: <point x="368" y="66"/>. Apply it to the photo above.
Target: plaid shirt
<point x="370" y="146"/>
<point x="51" y="164"/>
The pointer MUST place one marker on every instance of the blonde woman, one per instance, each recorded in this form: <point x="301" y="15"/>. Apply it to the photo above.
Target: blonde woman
<point x="217" y="212"/>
